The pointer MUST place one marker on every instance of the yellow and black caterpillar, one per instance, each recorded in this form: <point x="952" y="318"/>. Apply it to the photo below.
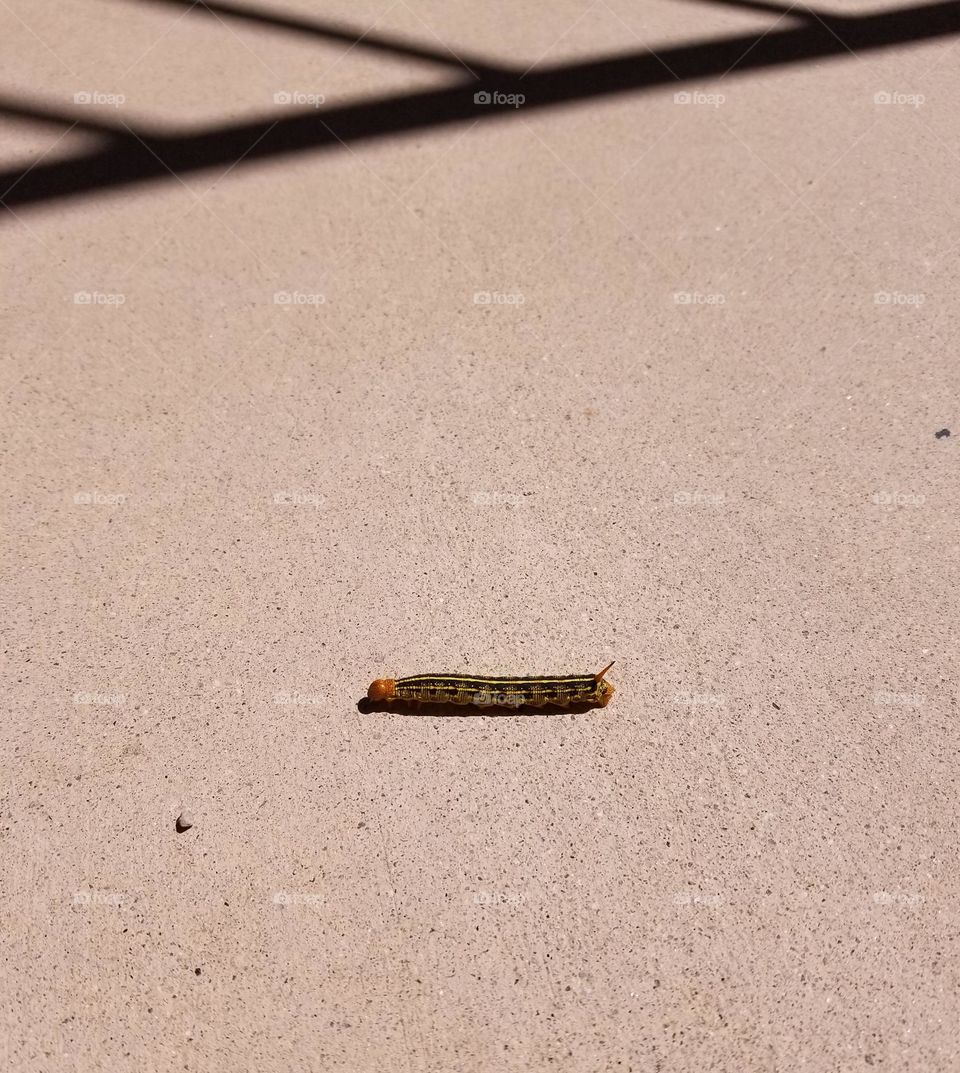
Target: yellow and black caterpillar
<point x="560" y="690"/>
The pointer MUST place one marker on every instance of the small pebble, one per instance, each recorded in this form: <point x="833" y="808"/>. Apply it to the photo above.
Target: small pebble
<point x="942" y="434"/>
<point x="184" y="822"/>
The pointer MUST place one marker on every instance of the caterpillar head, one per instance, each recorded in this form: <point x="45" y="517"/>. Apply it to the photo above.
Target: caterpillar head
<point x="382" y="689"/>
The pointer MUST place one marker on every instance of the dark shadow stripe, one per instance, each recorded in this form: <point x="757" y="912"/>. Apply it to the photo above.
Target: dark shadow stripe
<point x="341" y="33"/>
<point x="125" y="161"/>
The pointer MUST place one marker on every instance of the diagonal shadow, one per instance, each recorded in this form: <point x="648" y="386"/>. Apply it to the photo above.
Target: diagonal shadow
<point x="141" y="157"/>
<point x="45" y="114"/>
<point x="766" y="7"/>
<point x="332" y="31"/>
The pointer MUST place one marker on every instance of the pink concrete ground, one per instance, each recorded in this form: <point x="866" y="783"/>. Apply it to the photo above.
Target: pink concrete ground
<point x="688" y="424"/>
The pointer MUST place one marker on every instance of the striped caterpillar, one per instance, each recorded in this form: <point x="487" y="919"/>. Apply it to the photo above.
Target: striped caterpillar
<point x="561" y="690"/>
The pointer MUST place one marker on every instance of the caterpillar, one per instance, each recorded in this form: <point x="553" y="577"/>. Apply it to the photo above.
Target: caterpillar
<point x="560" y="690"/>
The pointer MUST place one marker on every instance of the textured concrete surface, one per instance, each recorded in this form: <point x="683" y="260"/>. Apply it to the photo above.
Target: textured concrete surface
<point x="630" y="378"/>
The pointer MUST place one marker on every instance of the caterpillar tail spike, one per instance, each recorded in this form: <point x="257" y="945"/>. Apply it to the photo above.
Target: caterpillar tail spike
<point x="496" y="692"/>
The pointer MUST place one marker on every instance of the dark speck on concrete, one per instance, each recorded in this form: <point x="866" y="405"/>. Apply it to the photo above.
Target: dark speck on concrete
<point x="942" y="434"/>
